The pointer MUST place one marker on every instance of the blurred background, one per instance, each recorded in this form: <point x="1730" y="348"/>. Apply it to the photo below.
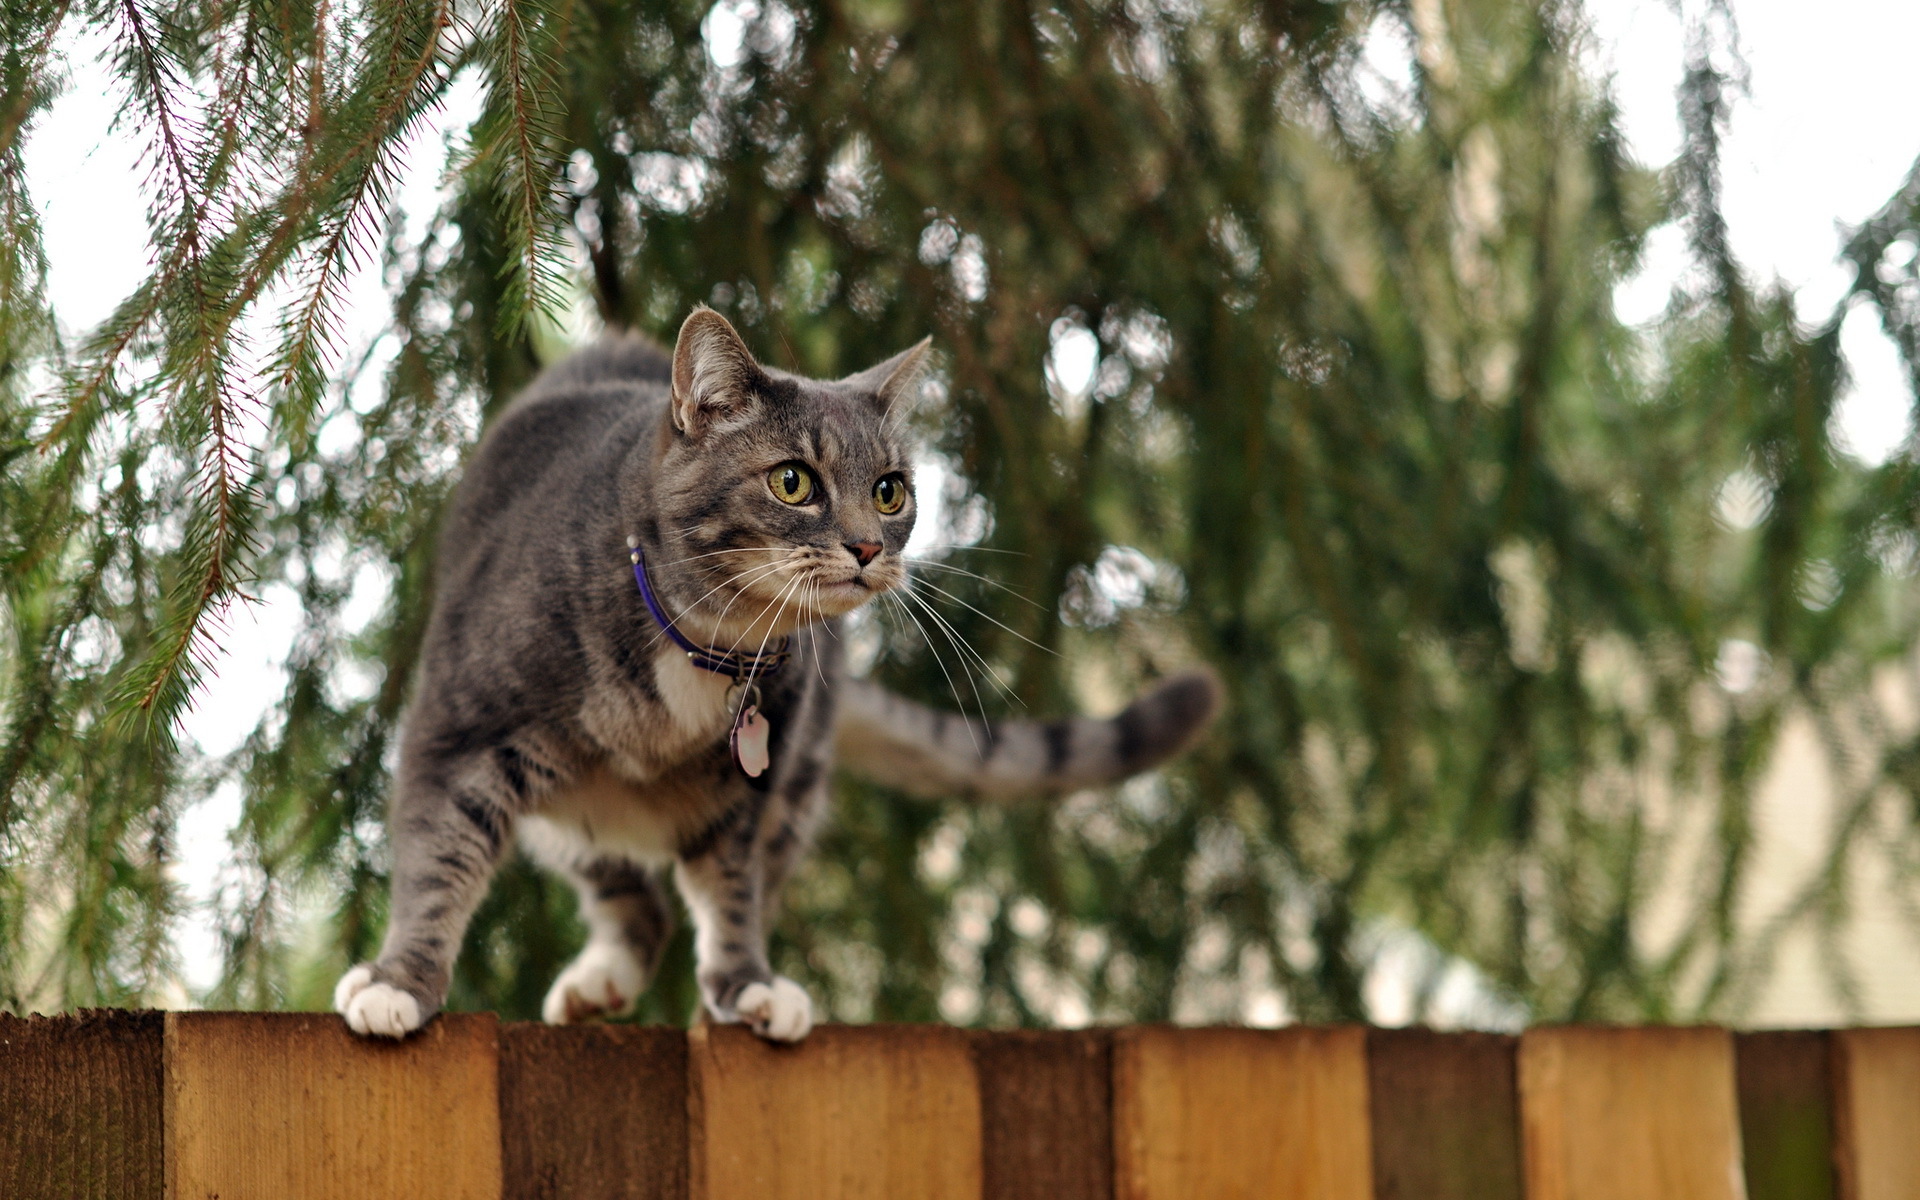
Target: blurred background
<point x="1511" y="398"/>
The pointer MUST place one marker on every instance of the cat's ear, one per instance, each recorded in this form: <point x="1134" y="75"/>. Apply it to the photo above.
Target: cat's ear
<point x="896" y="377"/>
<point x="712" y="372"/>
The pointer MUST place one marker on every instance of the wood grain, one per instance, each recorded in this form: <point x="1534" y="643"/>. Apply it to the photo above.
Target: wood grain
<point x="1446" y="1115"/>
<point x="880" y="1112"/>
<point x="1786" y="1114"/>
<point x="1234" y="1114"/>
<point x="1046" y="1114"/>
<point x="80" y="1107"/>
<point x="263" y="1106"/>
<point x="593" y="1112"/>
<point x="1877" y="1113"/>
<point x="1629" y="1114"/>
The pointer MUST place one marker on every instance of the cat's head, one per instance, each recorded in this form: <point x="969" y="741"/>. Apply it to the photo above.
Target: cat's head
<point x="781" y="500"/>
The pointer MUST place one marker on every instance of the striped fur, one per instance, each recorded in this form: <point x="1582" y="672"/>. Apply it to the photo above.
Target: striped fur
<point x="928" y="752"/>
<point x="551" y="712"/>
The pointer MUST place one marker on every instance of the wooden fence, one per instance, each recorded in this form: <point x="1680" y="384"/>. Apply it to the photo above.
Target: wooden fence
<point x="226" y="1106"/>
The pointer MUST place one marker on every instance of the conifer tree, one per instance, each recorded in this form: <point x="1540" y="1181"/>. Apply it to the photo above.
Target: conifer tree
<point x="1247" y="355"/>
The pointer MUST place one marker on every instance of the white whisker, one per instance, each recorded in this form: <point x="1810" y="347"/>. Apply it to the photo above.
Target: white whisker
<point x="814" y="604"/>
<point x="743" y="579"/>
<point x="715" y="553"/>
<point x="1015" y="632"/>
<point x="825" y="622"/>
<point x="957" y="702"/>
<point x="993" y="583"/>
<point x="977" y="549"/>
<point x="962" y="649"/>
<point x="771" y="625"/>
<point x="751" y="625"/>
<point x="966" y="648"/>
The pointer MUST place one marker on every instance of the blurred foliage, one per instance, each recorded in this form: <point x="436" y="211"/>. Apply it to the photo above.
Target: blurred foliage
<point x="1252" y="352"/>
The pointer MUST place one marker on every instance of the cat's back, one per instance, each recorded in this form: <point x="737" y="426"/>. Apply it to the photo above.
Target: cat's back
<point x="615" y="359"/>
<point x="617" y="380"/>
<point x="570" y="429"/>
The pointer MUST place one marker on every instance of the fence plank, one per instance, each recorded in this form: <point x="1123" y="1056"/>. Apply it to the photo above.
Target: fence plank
<point x="264" y="1106"/>
<point x="1629" y="1114"/>
<point x="873" y="1111"/>
<point x="1046" y="1115"/>
<point x="1446" y="1115"/>
<point x="593" y="1112"/>
<point x="80" y="1106"/>
<point x="1786" y="1114"/>
<point x="1877" y="1113"/>
<point x="1241" y="1113"/>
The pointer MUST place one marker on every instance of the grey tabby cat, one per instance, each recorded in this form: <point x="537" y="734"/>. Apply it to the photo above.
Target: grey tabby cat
<point x="631" y="534"/>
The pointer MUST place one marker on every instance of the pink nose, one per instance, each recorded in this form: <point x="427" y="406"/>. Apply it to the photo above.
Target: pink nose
<point x="866" y="552"/>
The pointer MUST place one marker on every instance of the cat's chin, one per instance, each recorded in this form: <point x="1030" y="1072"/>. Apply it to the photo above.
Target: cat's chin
<point x="839" y="599"/>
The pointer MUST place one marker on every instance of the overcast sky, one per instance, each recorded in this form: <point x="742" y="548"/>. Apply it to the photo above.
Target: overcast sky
<point x="1825" y="136"/>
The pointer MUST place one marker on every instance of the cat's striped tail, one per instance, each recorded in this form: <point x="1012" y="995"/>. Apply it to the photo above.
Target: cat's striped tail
<point x="895" y="741"/>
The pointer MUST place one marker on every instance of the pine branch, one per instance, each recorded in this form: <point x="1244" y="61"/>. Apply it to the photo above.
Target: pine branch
<point x="15" y="115"/>
<point x="300" y="364"/>
<point x="203" y="380"/>
<point x="516" y="151"/>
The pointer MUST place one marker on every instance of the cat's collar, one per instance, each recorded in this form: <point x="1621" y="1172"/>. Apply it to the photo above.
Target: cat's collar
<point x="739" y="664"/>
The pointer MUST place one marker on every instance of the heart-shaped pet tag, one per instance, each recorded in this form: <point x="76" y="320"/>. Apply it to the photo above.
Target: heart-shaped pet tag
<point x="749" y="741"/>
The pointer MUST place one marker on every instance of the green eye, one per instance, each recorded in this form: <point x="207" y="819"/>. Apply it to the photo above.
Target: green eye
<point x="790" y="483"/>
<point x="890" y="494"/>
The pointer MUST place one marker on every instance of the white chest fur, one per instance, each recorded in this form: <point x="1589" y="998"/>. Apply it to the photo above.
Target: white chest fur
<point x="697" y="701"/>
<point x="645" y="737"/>
<point x="638" y="803"/>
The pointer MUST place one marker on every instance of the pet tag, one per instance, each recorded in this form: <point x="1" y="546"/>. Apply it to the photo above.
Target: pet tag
<point x="749" y="741"/>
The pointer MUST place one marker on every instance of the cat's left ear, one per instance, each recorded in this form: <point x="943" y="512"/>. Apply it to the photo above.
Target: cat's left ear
<point x="712" y="372"/>
<point x="896" y="377"/>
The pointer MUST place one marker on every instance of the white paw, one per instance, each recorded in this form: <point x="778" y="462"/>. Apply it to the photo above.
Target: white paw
<point x="351" y="984"/>
<point x="375" y="1009"/>
<point x="779" y="1011"/>
<point x="604" y="979"/>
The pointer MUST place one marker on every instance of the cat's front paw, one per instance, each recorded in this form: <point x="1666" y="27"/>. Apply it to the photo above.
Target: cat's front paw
<point x="376" y="1009"/>
<point x="604" y="981"/>
<point x="778" y="1011"/>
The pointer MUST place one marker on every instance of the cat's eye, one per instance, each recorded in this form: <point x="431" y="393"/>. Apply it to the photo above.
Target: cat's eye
<point x="890" y="494"/>
<point x="790" y="483"/>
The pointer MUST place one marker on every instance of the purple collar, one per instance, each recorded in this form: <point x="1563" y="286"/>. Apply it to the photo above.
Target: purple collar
<point x="742" y="665"/>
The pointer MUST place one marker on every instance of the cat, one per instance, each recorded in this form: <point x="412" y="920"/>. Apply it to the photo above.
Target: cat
<point x="636" y="530"/>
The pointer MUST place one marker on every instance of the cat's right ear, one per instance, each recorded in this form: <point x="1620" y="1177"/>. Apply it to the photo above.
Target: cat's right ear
<point x="894" y="378"/>
<point x="712" y="372"/>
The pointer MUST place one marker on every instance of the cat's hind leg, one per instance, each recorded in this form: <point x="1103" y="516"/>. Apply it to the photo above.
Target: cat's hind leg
<point x="629" y="918"/>
<point x="611" y="840"/>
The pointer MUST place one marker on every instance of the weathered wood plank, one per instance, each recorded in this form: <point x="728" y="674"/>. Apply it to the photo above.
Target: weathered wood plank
<point x="874" y="1111"/>
<point x="263" y="1106"/>
<point x="1446" y="1115"/>
<point x="1786" y="1114"/>
<point x="1046" y="1114"/>
<point x="1877" y="1113"/>
<point x="593" y="1112"/>
<point x="80" y="1106"/>
<point x="1629" y="1114"/>
<point x="1241" y="1113"/>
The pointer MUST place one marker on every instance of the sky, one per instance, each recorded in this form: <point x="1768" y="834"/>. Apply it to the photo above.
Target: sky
<point x="1824" y="136"/>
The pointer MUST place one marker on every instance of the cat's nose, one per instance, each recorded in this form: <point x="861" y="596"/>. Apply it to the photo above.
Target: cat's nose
<point x="866" y="552"/>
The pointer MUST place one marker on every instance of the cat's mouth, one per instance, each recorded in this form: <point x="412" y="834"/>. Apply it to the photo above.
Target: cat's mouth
<point x="837" y="597"/>
<point x="816" y="590"/>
